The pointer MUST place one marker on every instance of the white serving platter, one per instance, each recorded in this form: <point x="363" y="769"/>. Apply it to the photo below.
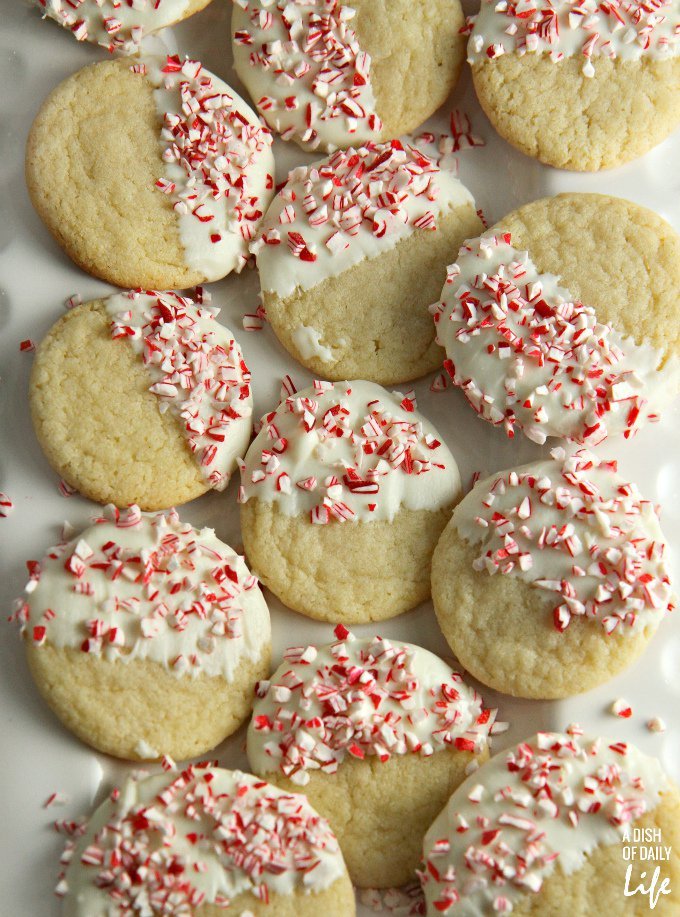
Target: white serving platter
<point x="37" y="755"/>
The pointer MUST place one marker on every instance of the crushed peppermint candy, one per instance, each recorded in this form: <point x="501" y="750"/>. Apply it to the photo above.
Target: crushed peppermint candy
<point x="547" y="802"/>
<point x="196" y="369"/>
<point x="302" y="64"/>
<point x="361" y="698"/>
<point x="578" y="533"/>
<point x="622" y="708"/>
<point x="656" y="724"/>
<point x="115" y="25"/>
<point x="442" y="148"/>
<point x="407" y="901"/>
<point x="137" y="586"/>
<point x="348" y="451"/>
<point x="218" y="164"/>
<point x="193" y="839"/>
<point x="6" y="505"/>
<point x="623" y="29"/>
<point x="27" y="346"/>
<point x="526" y="354"/>
<point x="357" y="203"/>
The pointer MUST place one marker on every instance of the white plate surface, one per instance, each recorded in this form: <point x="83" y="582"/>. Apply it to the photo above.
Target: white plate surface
<point x="38" y="756"/>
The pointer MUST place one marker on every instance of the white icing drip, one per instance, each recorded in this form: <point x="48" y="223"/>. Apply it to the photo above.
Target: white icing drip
<point x="525" y="352"/>
<point x="299" y="461"/>
<point x="356" y="204"/>
<point x="623" y="29"/>
<point x="200" y="611"/>
<point x="221" y="180"/>
<point x="516" y="826"/>
<point x="231" y="833"/>
<point x="360" y="698"/>
<point x="307" y="75"/>
<point x="580" y="534"/>
<point x="308" y="342"/>
<point x="196" y="369"/>
<point x="114" y="25"/>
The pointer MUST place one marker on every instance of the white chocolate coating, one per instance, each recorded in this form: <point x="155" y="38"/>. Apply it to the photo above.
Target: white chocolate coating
<point x="348" y="451"/>
<point x="302" y="65"/>
<point x="624" y="29"/>
<point x="212" y="834"/>
<point x="196" y="369"/>
<point x="139" y="586"/>
<point x="360" y="698"/>
<point x="355" y="204"/>
<point x="544" y="805"/>
<point x="114" y="25"/>
<point x="527" y="354"/>
<point x="574" y="529"/>
<point x="218" y="164"/>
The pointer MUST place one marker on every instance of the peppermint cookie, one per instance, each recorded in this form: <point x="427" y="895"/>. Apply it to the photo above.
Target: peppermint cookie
<point x="153" y="174"/>
<point x="142" y="398"/>
<point x="560" y="824"/>
<point x="379" y="733"/>
<point x="145" y="636"/>
<point x="352" y="252"/>
<point x="564" y="319"/>
<point x="578" y="85"/>
<point x="118" y="26"/>
<point x="205" y="841"/>
<point x="344" y="492"/>
<point x="331" y="74"/>
<point x="551" y="578"/>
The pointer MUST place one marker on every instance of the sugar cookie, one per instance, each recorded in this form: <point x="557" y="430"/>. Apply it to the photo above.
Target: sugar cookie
<point x="551" y="578"/>
<point x="331" y="74"/>
<point x="352" y="252"/>
<point x="577" y="336"/>
<point x="551" y="827"/>
<point x="578" y="85"/>
<point x="378" y="733"/>
<point x="344" y="493"/>
<point x="142" y="398"/>
<point x="146" y="636"/>
<point x="118" y="26"/>
<point x="153" y="174"/>
<point x="205" y="842"/>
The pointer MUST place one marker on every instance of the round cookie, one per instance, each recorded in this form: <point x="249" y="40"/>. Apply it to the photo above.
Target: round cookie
<point x="378" y="733"/>
<point x="551" y="578"/>
<point x="118" y="26"/>
<point x="556" y="825"/>
<point x="352" y="252"/>
<point x="330" y="74"/>
<point x="150" y="175"/>
<point x="563" y="320"/>
<point x="345" y="492"/>
<point x="146" y="636"/>
<point x="205" y="842"/>
<point x="578" y="87"/>
<point x="142" y="398"/>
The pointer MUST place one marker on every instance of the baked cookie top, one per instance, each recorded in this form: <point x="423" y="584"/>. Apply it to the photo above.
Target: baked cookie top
<point x="356" y="204"/>
<point x="201" y="836"/>
<point x="303" y="66"/>
<point x="360" y="698"/>
<point x="579" y="533"/>
<point x="624" y="29"/>
<point x="114" y="25"/>
<point x="529" y="354"/>
<point x="547" y="802"/>
<point x="196" y="370"/>
<point x="137" y="586"/>
<point x="348" y="451"/>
